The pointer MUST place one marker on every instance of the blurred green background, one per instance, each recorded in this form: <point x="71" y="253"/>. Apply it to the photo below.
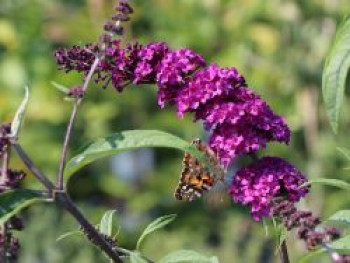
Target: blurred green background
<point x="279" y="46"/>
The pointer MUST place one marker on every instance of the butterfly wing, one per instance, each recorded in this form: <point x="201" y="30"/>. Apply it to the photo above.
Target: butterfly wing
<point x="194" y="179"/>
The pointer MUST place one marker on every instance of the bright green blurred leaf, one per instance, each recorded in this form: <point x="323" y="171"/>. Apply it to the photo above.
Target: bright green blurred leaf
<point x="187" y="256"/>
<point x="60" y="87"/>
<point x="154" y="226"/>
<point x="310" y="257"/>
<point x="335" y="72"/>
<point x="128" y="140"/>
<point x="345" y="152"/>
<point x="136" y="258"/>
<point x="106" y="224"/>
<point x="342" y="245"/>
<point x="12" y="202"/>
<point x="68" y="234"/>
<point x="19" y="116"/>
<point x="342" y="216"/>
<point x="330" y="182"/>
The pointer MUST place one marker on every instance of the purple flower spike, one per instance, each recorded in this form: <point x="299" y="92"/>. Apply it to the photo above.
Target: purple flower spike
<point x="175" y="67"/>
<point x="270" y="177"/>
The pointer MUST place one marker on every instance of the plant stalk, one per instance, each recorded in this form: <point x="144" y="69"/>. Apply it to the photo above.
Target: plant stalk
<point x="284" y="253"/>
<point x="70" y="125"/>
<point x="3" y="176"/>
<point x="90" y="231"/>
<point x="67" y="203"/>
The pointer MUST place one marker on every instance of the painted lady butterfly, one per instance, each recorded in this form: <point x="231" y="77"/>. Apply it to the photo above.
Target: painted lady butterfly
<point x="195" y="179"/>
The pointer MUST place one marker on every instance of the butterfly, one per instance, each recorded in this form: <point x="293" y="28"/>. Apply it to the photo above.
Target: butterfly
<point x="195" y="178"/>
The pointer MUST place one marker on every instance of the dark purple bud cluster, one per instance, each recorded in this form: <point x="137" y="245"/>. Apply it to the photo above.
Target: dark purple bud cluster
<point x="265" y="179"/>
<point x="305" y="222"/>
<point x="5" y="130"/>
<point x="9" y="179"/>
<point x="76" y="92"/>
<point x="9" y="245"/>
<point x="76" y="58"/>
<point x="113" y="26"/>
<point x="343" y="259"/>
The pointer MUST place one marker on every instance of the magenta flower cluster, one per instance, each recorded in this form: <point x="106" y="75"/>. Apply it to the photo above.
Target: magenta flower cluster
<point x="239" y="121"/>
<point x="257" y="184"/>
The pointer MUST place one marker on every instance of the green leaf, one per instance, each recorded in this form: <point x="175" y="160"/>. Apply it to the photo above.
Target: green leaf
<point x="68" y="234"/>
<point x="187" y="256"/>
<point x="334" y="73"/>
<point x="331" y="182"/>
<point x="342" y="216"/>
<point x="129" y="140"/>
<point x="155" y="225"/>
<point x="342" y="245"/>
<point x="60" y="87"/>
<point x="136" y="258"/>
<point x="106" y="224"/>
<point x="12" y="202"/>
<point x="345" y="152"/>
<point x="18" y="119"/>
<point x="311" y="256"/>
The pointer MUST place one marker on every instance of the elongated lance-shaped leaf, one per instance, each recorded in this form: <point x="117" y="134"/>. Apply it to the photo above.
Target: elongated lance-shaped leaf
<point x="334" y="73"/>
<point x="154" y="226"/>
<point x="19" y="116"/>
<point x="106" y="224"/>
<point x="345" y="152"/>
<point x="60" y="87"/>
<point x="13" y="201"/>
<point x="69" y="234"/>
<point x="187" y="256"/>
<point x="130" y="140"/>
<point x="342" y="216"/>
<point x="137" y="258"/>
<point x="330" y="182"/>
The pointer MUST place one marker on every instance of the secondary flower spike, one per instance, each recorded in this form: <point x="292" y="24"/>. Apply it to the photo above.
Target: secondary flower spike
<point x="259" y="183"/>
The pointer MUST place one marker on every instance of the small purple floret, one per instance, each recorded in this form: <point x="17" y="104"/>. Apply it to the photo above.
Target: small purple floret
<point x="269" y="177"/>
<point x="173" y="72"/>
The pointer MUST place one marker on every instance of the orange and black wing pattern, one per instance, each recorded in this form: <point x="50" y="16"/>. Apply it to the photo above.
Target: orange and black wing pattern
<point x="195" y="179"/>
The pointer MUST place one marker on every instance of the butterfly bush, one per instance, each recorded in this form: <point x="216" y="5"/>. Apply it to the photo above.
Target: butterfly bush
<point x="238" y="120"/>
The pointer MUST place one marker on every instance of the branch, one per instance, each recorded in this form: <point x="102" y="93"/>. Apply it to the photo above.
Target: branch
<point x="67" y="203"/>
<point x="71" y="124"/>
<point x="89" y="230"/>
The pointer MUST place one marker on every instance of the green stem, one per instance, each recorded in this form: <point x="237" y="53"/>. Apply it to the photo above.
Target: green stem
<point x="70" y="125"/>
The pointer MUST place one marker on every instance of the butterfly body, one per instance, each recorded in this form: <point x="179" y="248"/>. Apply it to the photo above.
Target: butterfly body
<point x="196" y="179"/>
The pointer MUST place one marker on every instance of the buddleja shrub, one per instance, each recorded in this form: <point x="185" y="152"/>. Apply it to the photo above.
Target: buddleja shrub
<point x="238" y="120"/>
